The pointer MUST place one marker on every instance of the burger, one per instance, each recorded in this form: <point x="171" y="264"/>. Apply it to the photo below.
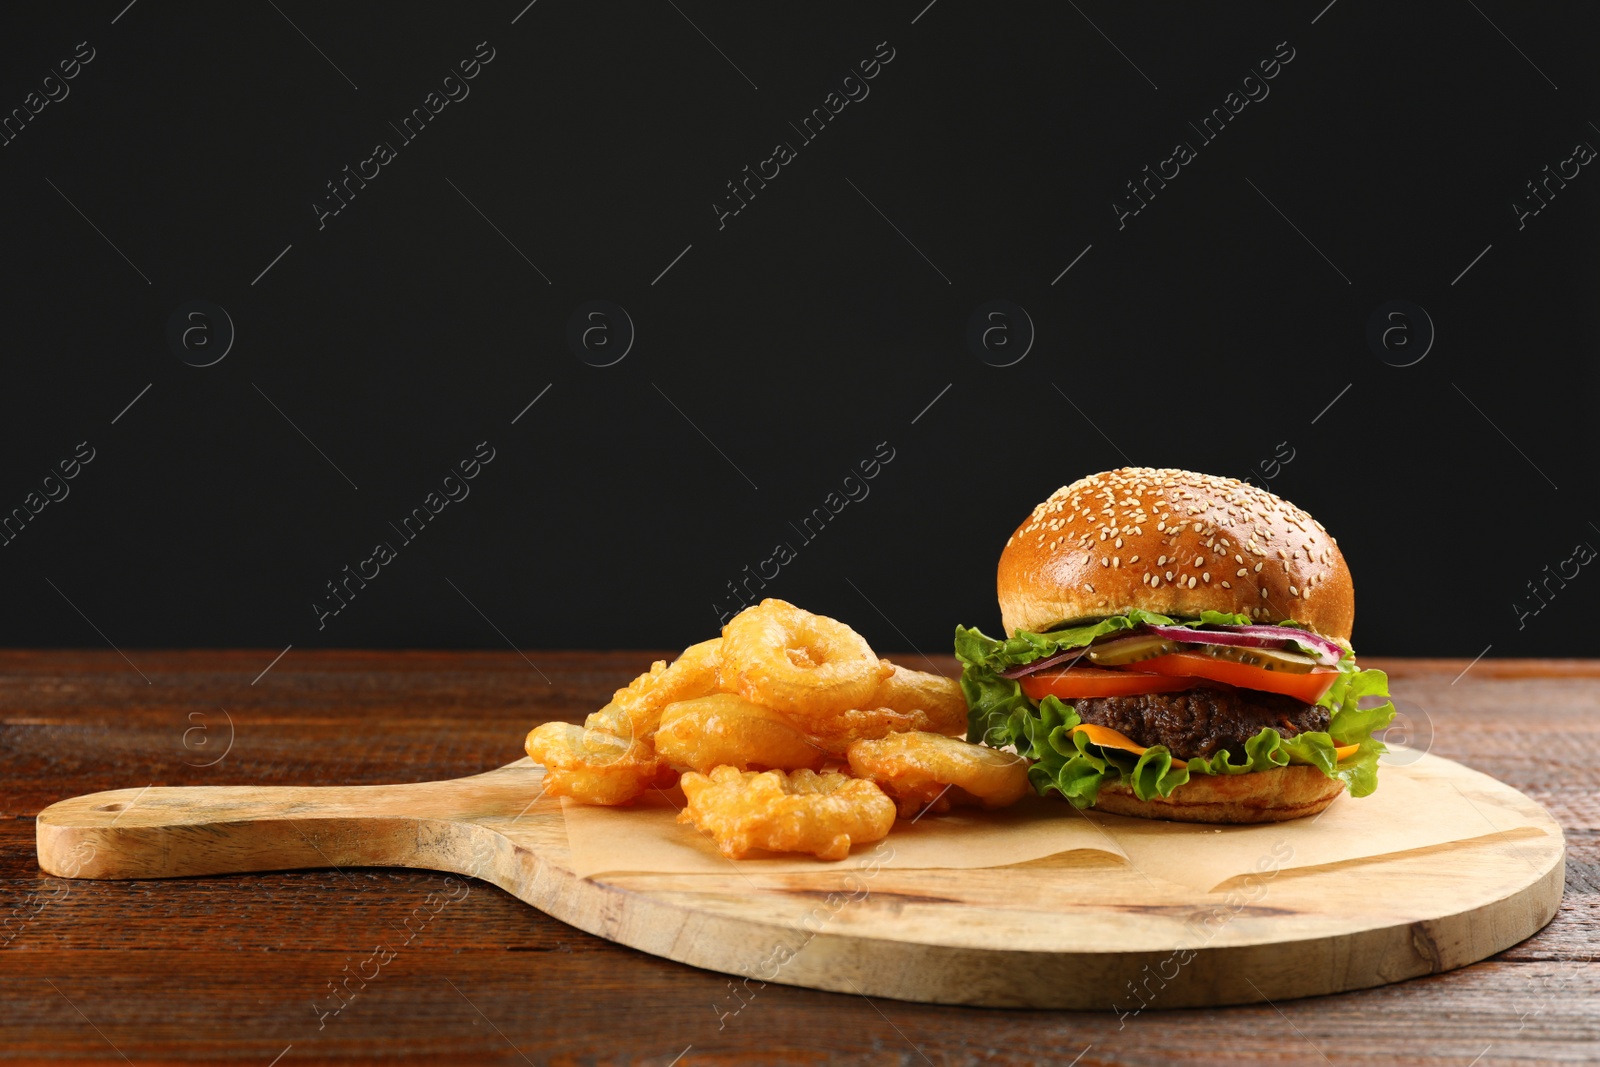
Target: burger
<point x="1177" y="646"/>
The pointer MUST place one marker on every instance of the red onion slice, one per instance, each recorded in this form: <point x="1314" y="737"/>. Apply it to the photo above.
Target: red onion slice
<point x="1067" y="656"/>
<point x="1191" y="636"/>
<point x="1326" y="652"/>
<point x="1331" y="652"/>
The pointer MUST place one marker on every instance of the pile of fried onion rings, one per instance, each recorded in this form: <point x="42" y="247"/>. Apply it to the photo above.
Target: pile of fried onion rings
<point x="786" y="734"/>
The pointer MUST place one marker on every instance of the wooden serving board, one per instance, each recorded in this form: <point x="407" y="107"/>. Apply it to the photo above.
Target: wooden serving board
<point x="1080" y="930"/>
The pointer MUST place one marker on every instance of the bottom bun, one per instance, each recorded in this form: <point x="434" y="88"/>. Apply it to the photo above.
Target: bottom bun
<point x="1261" y="796"/>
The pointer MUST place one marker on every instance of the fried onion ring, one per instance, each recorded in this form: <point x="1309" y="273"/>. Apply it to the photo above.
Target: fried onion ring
<point x="929" y="771"/>
<point x="933" y="694"/>
<point x="724" y="729"/>
<point x="635" y="710"/>
<point x="807" y="666"/>
<point x="837" y="733"/>
<point x="823" y="814"/>
<point x="595" y="767"/>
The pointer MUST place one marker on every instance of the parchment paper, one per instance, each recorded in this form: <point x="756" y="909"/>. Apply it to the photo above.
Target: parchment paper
<point x="1414" y="807"/>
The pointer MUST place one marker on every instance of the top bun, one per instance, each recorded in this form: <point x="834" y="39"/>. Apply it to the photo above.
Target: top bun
<point x="1172" y="542"/>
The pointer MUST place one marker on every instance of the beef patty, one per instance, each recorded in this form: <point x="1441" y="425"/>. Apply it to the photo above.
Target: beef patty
<point x="1201" y="722"/>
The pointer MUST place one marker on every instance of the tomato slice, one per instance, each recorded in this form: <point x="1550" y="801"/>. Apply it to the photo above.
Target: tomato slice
<point x="1098" y="682"/>
<point x="1192" y="665"/>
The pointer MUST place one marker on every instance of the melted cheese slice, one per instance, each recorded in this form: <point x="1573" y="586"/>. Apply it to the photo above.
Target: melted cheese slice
<point x="1106" y="737"/>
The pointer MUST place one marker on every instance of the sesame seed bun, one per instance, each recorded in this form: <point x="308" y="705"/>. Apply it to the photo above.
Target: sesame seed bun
<point x="1173" y="542"/>
<point x="1263" y="796"/>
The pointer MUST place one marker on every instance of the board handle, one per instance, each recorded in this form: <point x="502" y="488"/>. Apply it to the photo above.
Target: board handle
<point x="171" y="832"/>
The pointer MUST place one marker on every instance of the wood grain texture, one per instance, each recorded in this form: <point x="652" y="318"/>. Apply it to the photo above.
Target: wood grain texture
<point x="208" y="969"/>
<point x="1069" y="931"/>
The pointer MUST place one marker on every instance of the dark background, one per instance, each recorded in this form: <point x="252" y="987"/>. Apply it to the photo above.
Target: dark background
<point x="780" y="350"/>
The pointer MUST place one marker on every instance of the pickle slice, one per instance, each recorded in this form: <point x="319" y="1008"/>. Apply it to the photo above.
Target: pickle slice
<point x="1131" y="650"/>
<point x="1268" y="659"/>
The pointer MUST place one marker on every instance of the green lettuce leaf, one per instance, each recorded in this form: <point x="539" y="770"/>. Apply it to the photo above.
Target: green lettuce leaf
<point x="1351" y="724"/>
<point x="1000" y="715"/>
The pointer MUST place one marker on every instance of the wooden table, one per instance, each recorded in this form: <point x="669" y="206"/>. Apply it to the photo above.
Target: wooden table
<point x="240" y="968"/>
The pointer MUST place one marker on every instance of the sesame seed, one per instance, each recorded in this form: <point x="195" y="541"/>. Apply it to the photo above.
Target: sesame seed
<point x="1227" y="585"/>
<point x="1169" y="576"/>
<point x="1205" y="576"/>
<point x="1119" y="542"/>
<point x="1263" y="594"/>
<point x="1293" y="591"/>
<point x="1258" y="567"/>
<point x="1199" y="560"/>
<point x="1191" y="581"/>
